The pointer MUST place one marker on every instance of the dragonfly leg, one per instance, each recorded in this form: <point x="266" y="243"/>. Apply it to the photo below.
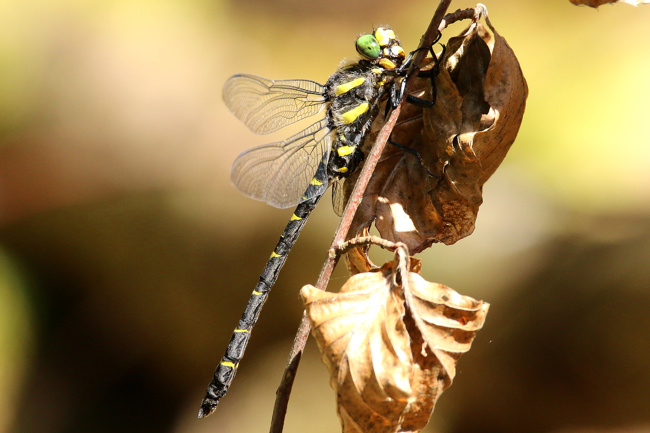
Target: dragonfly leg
<point x="414" y="153"/>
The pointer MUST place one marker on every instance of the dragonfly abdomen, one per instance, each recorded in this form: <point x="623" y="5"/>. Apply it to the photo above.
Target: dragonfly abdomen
<point x="227" y="368"/>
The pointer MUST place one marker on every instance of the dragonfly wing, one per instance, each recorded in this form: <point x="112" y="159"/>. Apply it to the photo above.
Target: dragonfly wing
<point x="339" y="200"/>
<point x="267" y="105"/>
<point x="279" y="173"/>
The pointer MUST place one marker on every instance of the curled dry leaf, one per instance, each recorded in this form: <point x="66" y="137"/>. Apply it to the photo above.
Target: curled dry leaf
<point x="596" y="3"/>
<point x="391" y="350"/>
<point x="433" y="193"/>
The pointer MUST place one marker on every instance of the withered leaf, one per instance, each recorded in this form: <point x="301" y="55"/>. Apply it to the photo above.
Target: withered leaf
<point x="390" y="349"/>
<point x="433" y="194"/>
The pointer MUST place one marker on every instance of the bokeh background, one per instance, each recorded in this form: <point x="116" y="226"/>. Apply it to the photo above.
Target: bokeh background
<point x="126" y="256"/>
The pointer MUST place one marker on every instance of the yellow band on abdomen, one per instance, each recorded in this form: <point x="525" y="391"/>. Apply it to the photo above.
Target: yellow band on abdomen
<point x="345" y="150"/>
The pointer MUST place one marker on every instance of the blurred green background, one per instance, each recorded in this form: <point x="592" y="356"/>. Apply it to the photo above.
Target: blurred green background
<point x="126" y="256"/>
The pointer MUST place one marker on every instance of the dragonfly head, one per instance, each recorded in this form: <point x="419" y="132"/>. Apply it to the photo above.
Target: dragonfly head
<point x="381" y="46"/>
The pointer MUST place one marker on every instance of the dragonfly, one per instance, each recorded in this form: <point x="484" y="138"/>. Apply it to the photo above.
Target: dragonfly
<point x="298" y="170"/>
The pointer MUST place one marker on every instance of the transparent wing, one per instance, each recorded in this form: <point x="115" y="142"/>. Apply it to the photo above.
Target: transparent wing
<point x="339" y="200"/>
<point x="267" y="105"/>
<point x="279" y="173"/>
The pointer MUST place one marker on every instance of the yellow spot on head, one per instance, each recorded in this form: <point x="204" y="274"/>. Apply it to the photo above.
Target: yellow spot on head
<point x="384" y="36"/>
<point x="397" y="51"/>
<point x="343" y="170"/>
<point x="351" y="115"/>
<point x="345" y="150"/>
<point x="387" y="64"/>
<point x="377" y="70"/>
<point x="346" y="87"/>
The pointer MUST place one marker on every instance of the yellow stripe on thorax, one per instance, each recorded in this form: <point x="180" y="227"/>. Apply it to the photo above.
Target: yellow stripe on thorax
<point x="387" y="64"/>
<point x="346" y="87"/>
<point x="316" y="182"/>
<point x="351" y="115"/>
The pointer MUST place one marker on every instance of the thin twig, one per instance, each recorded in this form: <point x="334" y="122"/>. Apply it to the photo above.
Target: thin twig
<point x="402" y="254"/>
<point x="474" y="14"/>
<point x="284" y="389"/>
<point x="401" y="271"/>
<point x="346" y="246"/>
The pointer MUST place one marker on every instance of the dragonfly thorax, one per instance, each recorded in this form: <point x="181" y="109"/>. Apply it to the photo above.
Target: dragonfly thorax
<point x="354" y="93"/>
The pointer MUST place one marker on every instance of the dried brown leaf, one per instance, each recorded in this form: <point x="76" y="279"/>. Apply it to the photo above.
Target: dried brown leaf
<point x="391" y="350"/>
<point x="461" y="141"/>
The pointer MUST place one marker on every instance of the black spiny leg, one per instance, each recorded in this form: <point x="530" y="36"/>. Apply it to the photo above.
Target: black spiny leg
<point x="431" y="74"/>
<point x="396" y="92"/>
<point x="414" y="153"/>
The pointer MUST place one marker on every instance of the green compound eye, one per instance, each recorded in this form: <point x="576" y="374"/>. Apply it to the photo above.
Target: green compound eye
<point x="368" y="47"/>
